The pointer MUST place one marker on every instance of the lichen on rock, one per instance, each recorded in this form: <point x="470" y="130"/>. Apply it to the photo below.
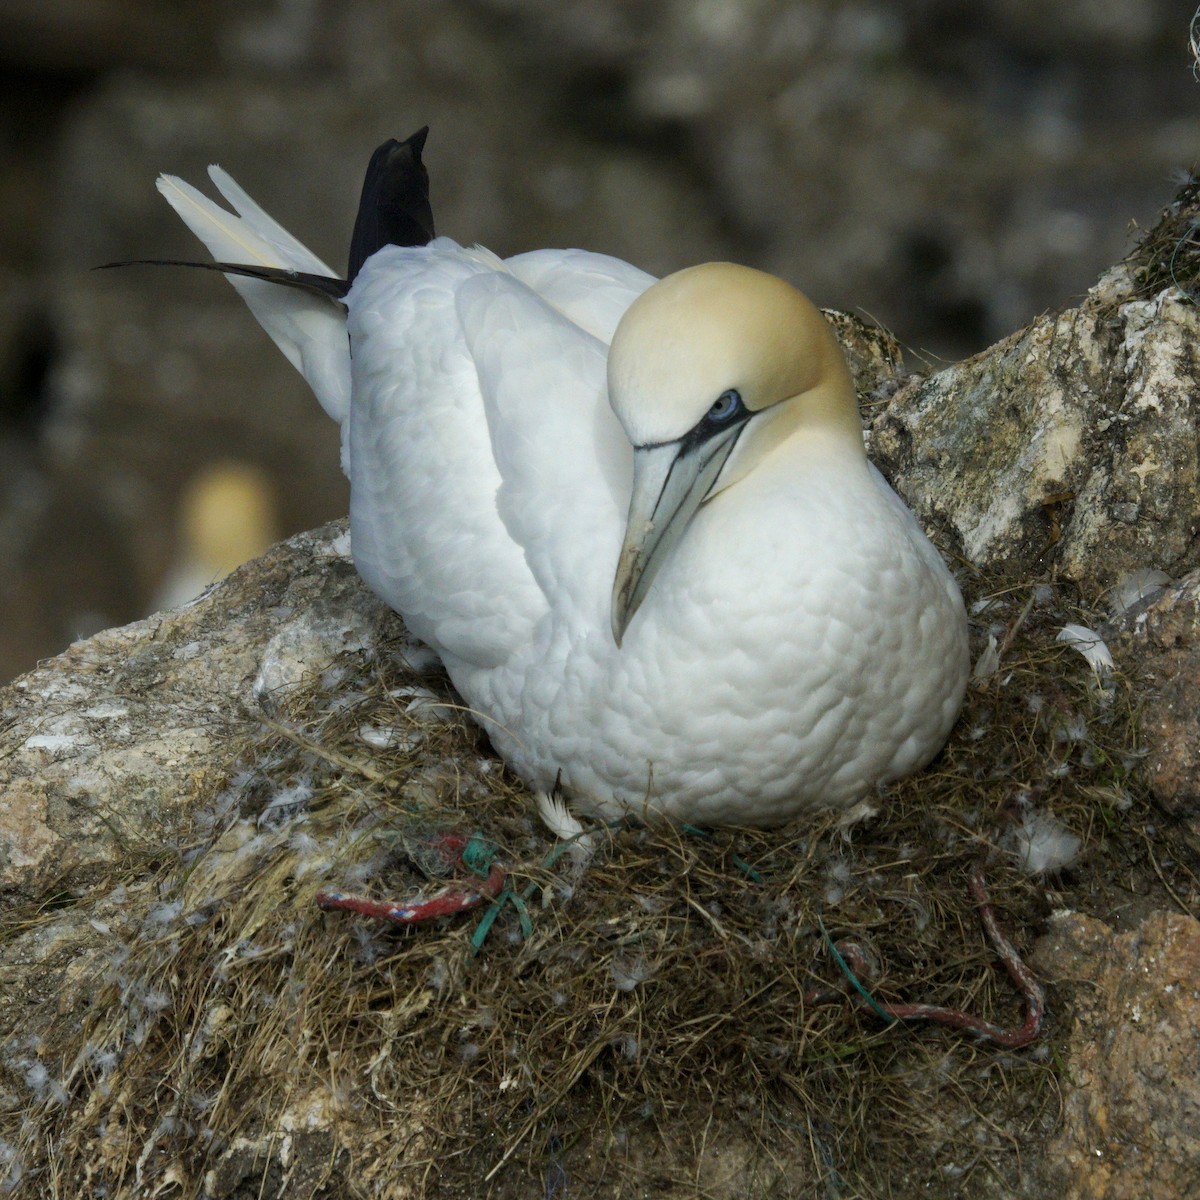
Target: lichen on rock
<point x="1131" y="1096"/>
<point x="1073" y="445"/>
<point x="106" y="749"/>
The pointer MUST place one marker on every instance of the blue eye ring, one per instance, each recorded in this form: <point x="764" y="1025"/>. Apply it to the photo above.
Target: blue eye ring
<point x="726" y="406"/>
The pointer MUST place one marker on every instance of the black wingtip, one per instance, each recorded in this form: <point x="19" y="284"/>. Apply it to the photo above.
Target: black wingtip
<point x="325" y="286"/>
<point x="394" y="207"/>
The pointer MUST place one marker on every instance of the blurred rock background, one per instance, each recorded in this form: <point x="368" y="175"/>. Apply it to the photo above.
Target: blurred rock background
<point x="948" y="168"/>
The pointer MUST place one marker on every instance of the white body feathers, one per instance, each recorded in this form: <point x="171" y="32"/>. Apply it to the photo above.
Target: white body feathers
<point x="802" y="642"/>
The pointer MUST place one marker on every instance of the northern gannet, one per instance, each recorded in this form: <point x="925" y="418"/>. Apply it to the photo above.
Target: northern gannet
<point x="226" y="517"/>
<point x="634" y="518"/>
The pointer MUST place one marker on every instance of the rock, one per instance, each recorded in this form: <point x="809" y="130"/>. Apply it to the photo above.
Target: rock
<point x="1131" y="1091"/>
<point x="1076" y="27"/>
<point x="105" y="748"/>
<point x="1072" y="444"/>
<point x="874" y="356"/>
<point x="1160" y="644"/>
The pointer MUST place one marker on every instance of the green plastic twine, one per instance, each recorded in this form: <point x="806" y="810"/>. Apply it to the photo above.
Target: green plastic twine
<point x="742" y="865"/>
<point x="507" y="896"/>
<point x="746" y="869"/>
<point x="478" y="854"/>
<point x="486" y="922"/>
<point x="858" y="987"/>
<point x="518" y="902"/>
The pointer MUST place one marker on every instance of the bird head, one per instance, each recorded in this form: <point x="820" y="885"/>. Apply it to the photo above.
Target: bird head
<point x="710" y="369"/>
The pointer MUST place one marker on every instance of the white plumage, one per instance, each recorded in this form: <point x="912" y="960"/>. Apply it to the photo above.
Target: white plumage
<point x="781" y="636"/>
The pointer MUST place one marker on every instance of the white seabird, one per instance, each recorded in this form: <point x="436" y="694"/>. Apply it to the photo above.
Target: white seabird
<point x="635" y="519"/>
<point x="226" y="517"/>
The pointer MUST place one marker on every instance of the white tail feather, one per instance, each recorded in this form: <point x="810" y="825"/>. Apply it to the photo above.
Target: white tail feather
<point x="293" y="253"/>
<point x="309" y="330"/>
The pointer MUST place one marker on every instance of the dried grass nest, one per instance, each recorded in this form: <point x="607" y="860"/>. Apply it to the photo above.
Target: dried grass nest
<point x="1169" y="252"/>
<point x="639" y="1030"/>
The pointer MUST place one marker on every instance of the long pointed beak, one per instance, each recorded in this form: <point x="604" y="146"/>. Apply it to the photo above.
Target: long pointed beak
<point x="670" y="481"/>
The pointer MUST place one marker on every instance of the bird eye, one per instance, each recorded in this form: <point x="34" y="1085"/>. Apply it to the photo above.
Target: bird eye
<point x="728" y="404"/>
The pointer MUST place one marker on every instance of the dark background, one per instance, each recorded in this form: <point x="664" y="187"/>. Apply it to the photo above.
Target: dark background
<point x="949" y="169"/>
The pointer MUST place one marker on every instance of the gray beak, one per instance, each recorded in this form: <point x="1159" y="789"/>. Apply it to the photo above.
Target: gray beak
<point x="670" y="481"/>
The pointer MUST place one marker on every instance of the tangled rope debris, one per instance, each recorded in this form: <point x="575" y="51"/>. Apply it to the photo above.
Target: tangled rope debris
<point x="474" y="853"/>
<point x="477" y="855"/>
<point x="854" y="963"/>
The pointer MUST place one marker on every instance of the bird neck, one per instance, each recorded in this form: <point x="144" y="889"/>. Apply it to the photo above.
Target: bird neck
<point x="827" y="412"/>
<point x="818" y="426"/>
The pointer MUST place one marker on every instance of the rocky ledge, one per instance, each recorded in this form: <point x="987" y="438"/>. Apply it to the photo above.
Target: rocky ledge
<point x="1063" y="459"/>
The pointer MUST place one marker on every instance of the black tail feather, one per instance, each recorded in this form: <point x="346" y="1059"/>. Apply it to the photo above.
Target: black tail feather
<point x="392" y="211"/>
<point x="394" y="207"/>
<point x="320" y="285"/>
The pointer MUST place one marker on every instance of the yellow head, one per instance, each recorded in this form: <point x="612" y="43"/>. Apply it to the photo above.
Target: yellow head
<point x="719" y="326"/>
<point x="713" y="358"/>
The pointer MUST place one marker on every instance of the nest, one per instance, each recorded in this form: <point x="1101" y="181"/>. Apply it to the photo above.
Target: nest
<point x="1169" y="253"/>
<point x="637" y="1024"/>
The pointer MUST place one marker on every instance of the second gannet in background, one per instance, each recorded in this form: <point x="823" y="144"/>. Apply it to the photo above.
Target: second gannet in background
<point x="634" y="518"/>
<point x="227" y="516"/>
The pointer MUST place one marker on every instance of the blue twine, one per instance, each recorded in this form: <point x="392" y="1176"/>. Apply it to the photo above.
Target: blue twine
<point x="556" y="1174"/>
